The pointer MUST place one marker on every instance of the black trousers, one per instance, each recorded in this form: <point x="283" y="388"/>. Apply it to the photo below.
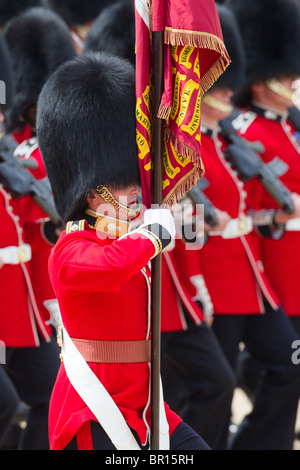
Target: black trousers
<point x="268" y="338"/>
<point x="198" y="381"/>
<point x="183" y="438"/>
<point x="249" y="369"/>
<point x="28" y="376"/>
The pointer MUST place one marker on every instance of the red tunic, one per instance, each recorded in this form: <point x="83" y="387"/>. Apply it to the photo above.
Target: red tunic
<point x="232" y="268"/>
<point x="281" y="258"/>
<point x="33" y="218"/>
<point x="102" y="287"/>
<point x="181" y="276"/>
<point x="20" y="319"/>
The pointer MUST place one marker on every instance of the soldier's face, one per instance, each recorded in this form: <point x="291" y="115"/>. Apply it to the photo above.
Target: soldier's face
<point x="125" y="196"/>
<point x="276" y="94"/>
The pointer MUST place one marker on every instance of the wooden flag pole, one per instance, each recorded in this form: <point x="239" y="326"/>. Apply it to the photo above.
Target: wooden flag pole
<point x="156" y="197"/>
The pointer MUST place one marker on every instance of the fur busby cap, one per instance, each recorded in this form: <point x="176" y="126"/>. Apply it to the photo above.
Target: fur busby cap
<point x="271" y="34"/>
<point x="86" y="129"/>
<point x="6" y="92"/>
<point x="11" y="8"/>
<point x="38" y="41"/>
<point x="234" y="75"/>
<point x="113" y="31"/>
<point x="77" y="11"/>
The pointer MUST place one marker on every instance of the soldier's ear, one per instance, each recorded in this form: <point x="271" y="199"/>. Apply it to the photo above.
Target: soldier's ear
<point x="91" y="195"/>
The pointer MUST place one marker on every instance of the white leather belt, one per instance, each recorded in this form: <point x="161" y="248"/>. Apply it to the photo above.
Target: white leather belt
<point x="293" y="224"/>
<point x="235" y="228"/>
<point x="96" y="397"/>
<point x="16" y="254"/>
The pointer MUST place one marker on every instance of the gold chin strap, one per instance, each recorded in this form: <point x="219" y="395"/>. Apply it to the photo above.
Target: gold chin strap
<point x="109" y="198"/>
<point x="217" y="104"/>
<point x="279" y="89"/>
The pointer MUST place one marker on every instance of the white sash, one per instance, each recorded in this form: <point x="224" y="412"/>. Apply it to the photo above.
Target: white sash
<point x="98" y="400"/>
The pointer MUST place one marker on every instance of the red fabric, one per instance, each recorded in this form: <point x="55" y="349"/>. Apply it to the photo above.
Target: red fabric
<point x="232" y="268"/>
<point x="84" y="437"/>
<point x="281" y="258"/>
<point x="194" y="48"/>
<point x="25" y="134"/>
<point x="178" y="268"/>
<point x="19" y="313"/>
<point x="103" y="295"/>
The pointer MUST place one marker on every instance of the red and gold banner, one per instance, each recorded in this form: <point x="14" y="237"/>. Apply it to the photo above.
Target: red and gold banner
<point x="194" y="57"/>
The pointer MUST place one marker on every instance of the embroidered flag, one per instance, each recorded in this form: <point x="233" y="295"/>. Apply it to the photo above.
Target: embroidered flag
<point x="194" y="57"/>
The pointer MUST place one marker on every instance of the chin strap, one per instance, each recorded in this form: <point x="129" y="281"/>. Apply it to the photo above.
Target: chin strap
<point x="109" y="198"/>
<point x="279" y="89"/>
<point x="216" y="104"/>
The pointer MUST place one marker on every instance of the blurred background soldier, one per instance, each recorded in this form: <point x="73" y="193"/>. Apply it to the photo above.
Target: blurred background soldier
<point x="271" y="35"/>
<point x="31" y="361"/>
<point x="246" y="307"/>
<point x="38" y="41"/>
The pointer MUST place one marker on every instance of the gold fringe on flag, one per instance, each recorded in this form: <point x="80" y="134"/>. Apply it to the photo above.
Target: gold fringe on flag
<point x="184" y="185"/>
<point x="202" y="40"/>
<point x="181" y="147"/>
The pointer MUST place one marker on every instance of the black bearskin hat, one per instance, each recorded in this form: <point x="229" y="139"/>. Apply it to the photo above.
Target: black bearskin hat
<point x="39" y="41"/>
<point x="77" y="11"/>
<point x="86" y="129"/>
<point x="271" y="34"/>
<point x="113" y="31"/>
<point x="11" y="8"/>
<point x="6" y="92"/>
<point x="234" y="75"/>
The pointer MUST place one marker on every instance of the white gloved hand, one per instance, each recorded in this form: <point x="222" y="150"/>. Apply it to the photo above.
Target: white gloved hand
<point x="162" y="217"/>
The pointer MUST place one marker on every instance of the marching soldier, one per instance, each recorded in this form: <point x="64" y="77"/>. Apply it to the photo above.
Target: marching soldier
<point x="99" y="269"/>
<point x="272" y="68"/>
<point x="246" y="308"/>
<point x="267" y="100"/>
<point x="30" y="360"/>
<point x="38" y="41"/>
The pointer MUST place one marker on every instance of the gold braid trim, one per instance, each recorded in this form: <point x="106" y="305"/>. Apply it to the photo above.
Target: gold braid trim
<point x="217" y="104"/>
<point x="109" y="198"/>
<point x="279" y="89"/>
<point x="154" y="238"/>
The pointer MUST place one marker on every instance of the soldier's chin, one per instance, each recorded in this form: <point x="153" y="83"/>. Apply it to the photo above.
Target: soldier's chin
<point x="134" y="209"/>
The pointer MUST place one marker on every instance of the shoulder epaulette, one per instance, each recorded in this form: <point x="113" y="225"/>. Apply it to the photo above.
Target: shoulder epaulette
<point x="243" y="121"/>
<point x="75" y="226"/>
<point x="26" y="148"/>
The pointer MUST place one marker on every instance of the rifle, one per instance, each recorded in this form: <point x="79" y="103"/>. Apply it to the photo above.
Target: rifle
<point x="19" y="182"/>
<point x="248" y="164"/>
<point x="198" y="197"/>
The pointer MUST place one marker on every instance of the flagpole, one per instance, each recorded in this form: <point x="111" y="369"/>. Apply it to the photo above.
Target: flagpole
<point x="156" y="198"/>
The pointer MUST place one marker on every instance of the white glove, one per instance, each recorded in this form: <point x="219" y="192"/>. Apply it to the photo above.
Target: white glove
<point x="162" y="217"/>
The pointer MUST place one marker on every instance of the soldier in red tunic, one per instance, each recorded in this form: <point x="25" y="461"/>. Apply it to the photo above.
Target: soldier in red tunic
<point x="30" y="364"/>
<point x="267" y="99"/>
<point x="246" y="308"/>
<point x="38" y="41"/>
<point x="98" y="268"/>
